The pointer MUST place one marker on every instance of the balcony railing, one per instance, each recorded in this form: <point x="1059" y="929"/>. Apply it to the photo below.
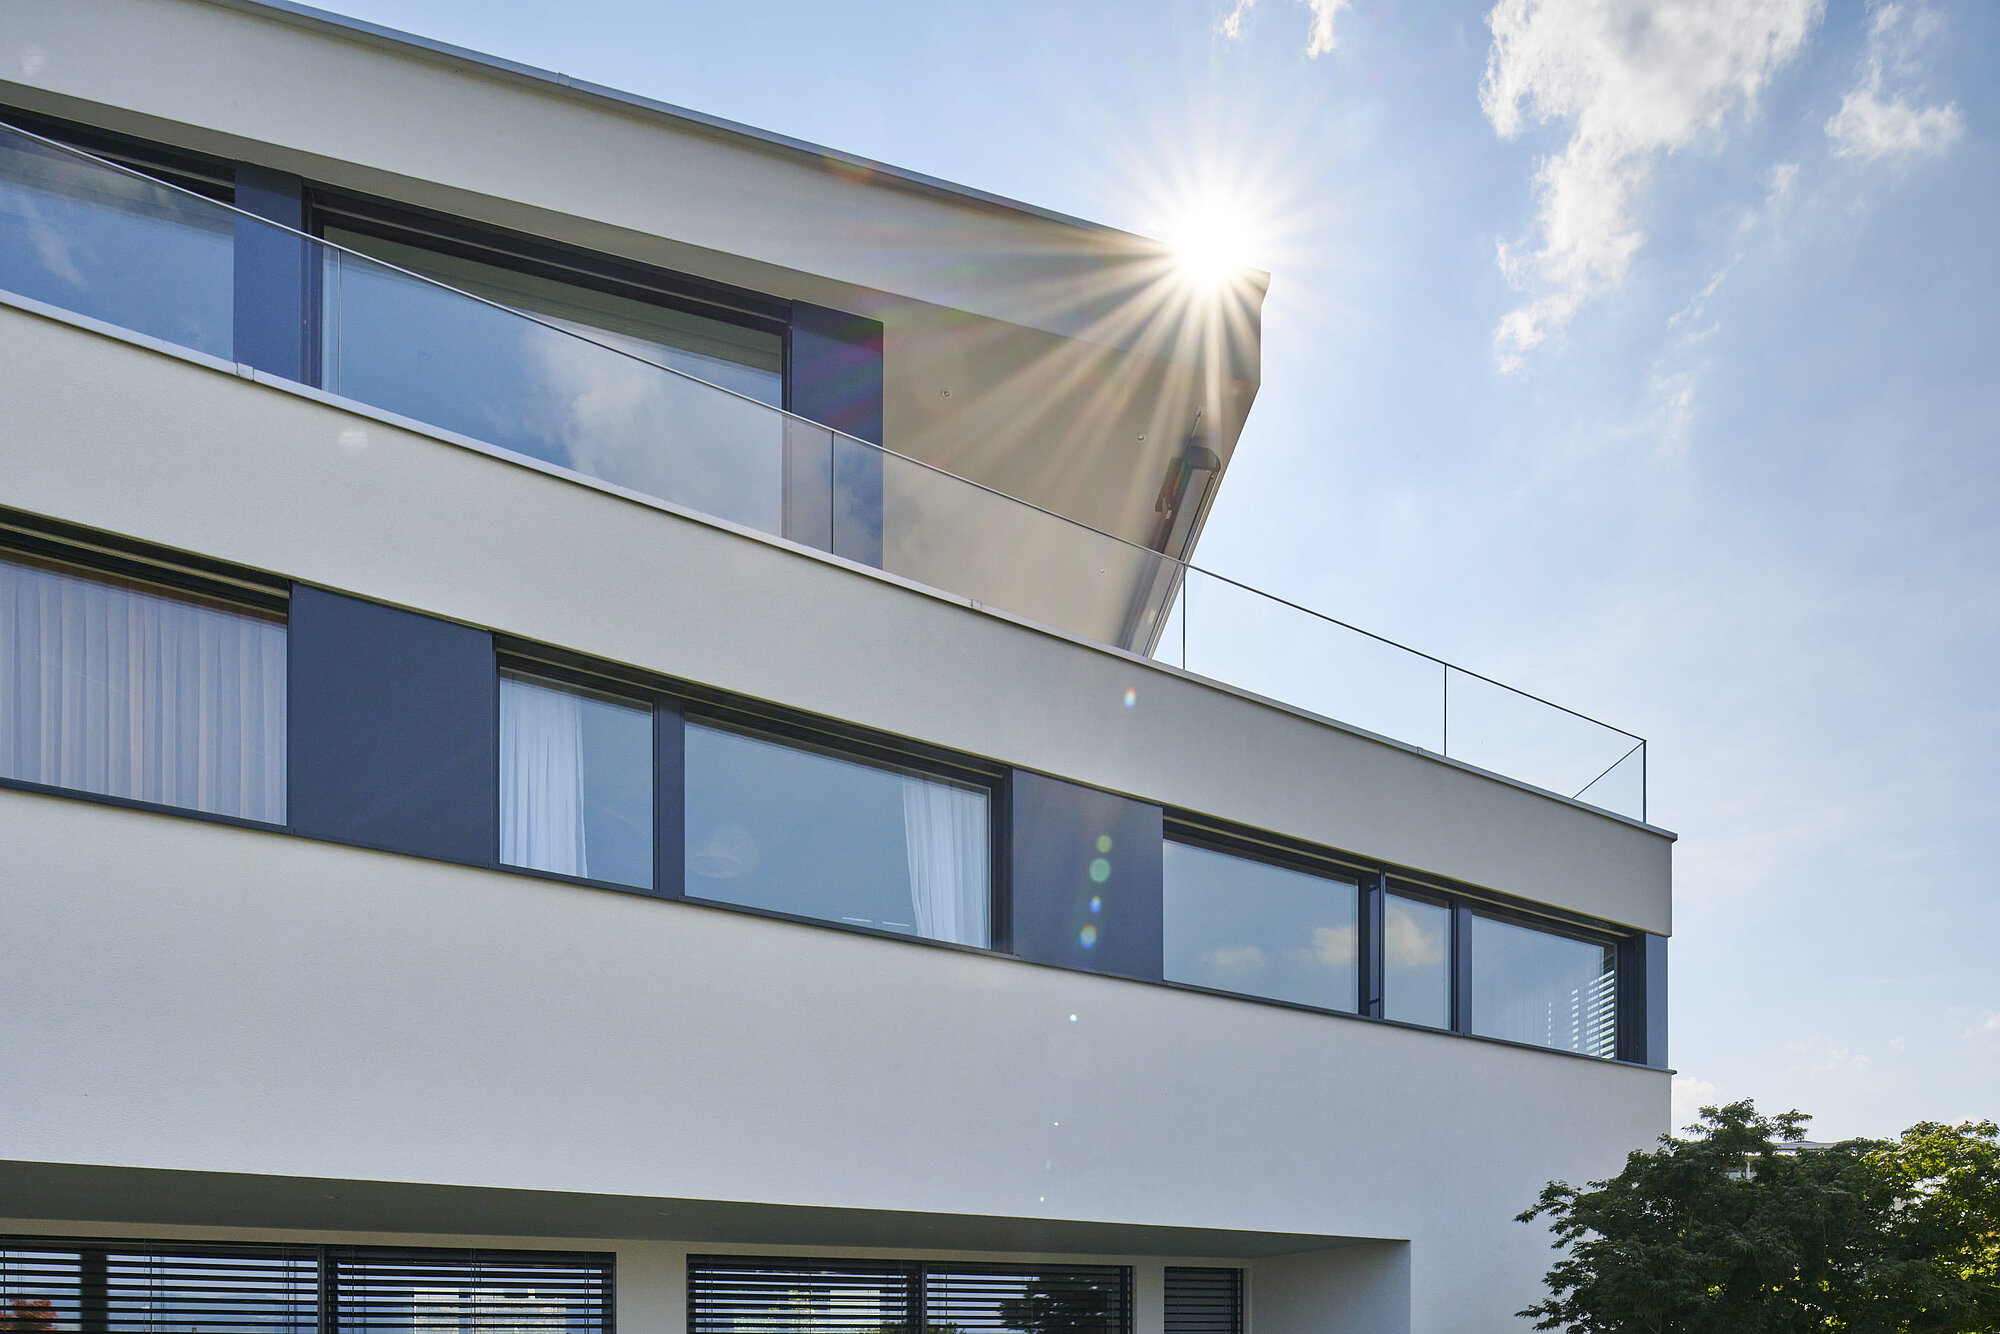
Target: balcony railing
<point x="90" y="236"/>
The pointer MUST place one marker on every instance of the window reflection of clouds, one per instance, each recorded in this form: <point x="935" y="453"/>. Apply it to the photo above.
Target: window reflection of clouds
<point x="1235" y="924"/>
<point x="1416" y="953"/>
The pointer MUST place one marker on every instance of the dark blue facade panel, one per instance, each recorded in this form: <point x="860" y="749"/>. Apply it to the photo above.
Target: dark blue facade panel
<point x="393" y="729"/>
<point x="835" y="378"/>
<point x="275" y="271"/>
<point x="1642" y="999"/>
<point x="1085" y="876"/>
<point x="1654" y="951"/>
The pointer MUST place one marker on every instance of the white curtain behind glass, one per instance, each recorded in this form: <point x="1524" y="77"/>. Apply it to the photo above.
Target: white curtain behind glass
<point x="118" y="689"/>
<point x="541" y="778"/>
<point x="945" y="835"/>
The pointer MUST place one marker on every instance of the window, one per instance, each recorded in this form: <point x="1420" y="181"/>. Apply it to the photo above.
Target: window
<point x="1240" y="925"/>
<point x="1204" y="1301"/>
<point x="1038" y="1299"/>
<point x="777" y="826"/>
<point x="138" y="1287"/>
<point x="732" y="1294"/>
<point x="1416" y="961"/>
<point x="1543" y="988"/>
<point x="576" y="781"/>
<point x="128" y="689"/>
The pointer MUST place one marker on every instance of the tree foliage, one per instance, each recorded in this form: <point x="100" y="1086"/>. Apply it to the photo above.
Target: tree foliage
<point x="1727" y="1231"/>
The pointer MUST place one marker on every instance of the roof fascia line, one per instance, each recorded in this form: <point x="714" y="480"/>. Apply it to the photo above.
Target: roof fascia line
<point x="410" y="44"/>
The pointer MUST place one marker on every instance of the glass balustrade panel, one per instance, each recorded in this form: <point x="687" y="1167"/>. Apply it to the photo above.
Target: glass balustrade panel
<point x="115" y="246"/>
<point x="408" y="346"/>
<point x="1258" y="643"/>
<point x="948" y="533"/>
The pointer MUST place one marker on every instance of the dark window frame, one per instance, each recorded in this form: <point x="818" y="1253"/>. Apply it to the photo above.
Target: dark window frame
<point x="1305" y="859"/>
<point x="1509" y="915"/>
<point x="677" y="703"/>
<point x="837" y="740"/>
<point x="570" y="671"/>
<point x="113" y="558"/>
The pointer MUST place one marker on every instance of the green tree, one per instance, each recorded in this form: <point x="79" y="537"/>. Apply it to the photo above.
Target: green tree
<point x="1731" y="1231"/>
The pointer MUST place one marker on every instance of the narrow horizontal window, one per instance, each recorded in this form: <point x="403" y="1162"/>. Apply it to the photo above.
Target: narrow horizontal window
<point x="1543" y="988"/>
<point x="576" y="781"/>
<point x="129" y="690"/>
<point x="1247" y="926"/>
<point x="780" y="827"/>
<point x="1416" y="961"/>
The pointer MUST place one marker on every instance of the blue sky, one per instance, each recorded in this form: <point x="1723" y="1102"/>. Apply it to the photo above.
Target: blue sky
<point x="1643" y="359"/>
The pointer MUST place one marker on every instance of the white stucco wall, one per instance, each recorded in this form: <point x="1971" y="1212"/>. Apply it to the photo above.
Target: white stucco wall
<point x="187" y="995"/>
<point x="133" y="441"/>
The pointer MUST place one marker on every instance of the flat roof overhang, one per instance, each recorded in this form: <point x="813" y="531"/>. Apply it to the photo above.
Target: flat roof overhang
<point x="137" y="1196"/>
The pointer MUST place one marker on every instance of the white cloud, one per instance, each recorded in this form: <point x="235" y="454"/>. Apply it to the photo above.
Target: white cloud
<point x="1334" y="945"/>
<point x="1320" y="38"/>
<point x="1980" y="1030"/>
<point x="1690" y="1096"/>
<point x="1406" y="941"/>
<point x="1838" y="1059"/>
<point x="1631" y="79"/>
<point x="1873" y="125"/>
<point x="1235" y="960"/>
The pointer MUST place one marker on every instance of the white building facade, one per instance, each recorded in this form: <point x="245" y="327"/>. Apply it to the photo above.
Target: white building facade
<point x="584" y="743"/>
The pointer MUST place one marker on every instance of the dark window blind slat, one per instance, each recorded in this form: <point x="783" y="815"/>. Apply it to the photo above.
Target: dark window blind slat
<point x="1204" y="1301"/>
<point x="735" y="1295"/>
<point x="78" y="1286"/>
<point x="491" y="1292"/>
<point x="752" y="1295"/>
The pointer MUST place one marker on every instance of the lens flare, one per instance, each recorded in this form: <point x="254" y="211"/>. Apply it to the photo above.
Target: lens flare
<point x="1100" y="870"/>
<point x="1088" y="936"/>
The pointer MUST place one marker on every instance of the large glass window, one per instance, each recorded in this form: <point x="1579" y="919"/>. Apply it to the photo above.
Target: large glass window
<point x="1416" y="961"/>
<point x="776" y="826"/>
<point x="1240" y="925"/>
<point x="1540" y="987"/>
<point x="129" y="690"/>
<point x="576" y="781"/>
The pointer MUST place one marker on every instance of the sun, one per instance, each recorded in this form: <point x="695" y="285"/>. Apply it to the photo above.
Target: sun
<point x="1210" y="246"/>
